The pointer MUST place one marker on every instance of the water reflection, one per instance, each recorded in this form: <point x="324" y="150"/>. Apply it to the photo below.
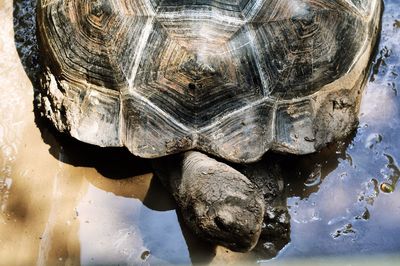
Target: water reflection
<point x="121" y="230"/>
<point x="337" y="199"/>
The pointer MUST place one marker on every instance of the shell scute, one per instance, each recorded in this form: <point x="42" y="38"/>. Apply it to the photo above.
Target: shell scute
<point x="232" y="78"/>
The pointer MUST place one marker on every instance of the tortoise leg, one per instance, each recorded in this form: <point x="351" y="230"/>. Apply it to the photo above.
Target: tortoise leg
<point x="217" y="202"/>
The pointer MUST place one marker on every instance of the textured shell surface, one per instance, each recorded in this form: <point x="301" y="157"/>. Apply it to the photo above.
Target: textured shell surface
<point x="234" y="78"/>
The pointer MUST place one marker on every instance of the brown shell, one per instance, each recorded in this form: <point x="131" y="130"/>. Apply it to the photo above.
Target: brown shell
<point x="231" y="78"/>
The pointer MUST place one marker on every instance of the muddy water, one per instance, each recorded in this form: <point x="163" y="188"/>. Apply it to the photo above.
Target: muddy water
<point x="64" y="202"/>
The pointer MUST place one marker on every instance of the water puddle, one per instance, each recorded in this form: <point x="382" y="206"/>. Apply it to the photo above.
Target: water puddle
<point x="126" y="232"/>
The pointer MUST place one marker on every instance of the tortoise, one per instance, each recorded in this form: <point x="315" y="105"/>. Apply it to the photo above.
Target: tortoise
<point x="226" y="79"/>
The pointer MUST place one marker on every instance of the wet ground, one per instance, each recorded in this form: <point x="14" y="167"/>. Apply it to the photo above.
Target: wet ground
<point x="64" y="202"/>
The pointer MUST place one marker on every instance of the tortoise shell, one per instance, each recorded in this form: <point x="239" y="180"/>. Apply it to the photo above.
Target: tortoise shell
<point x="232" y="78"/>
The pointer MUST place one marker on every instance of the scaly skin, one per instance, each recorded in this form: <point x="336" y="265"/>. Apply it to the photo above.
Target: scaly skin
<point x="217" y="202"/>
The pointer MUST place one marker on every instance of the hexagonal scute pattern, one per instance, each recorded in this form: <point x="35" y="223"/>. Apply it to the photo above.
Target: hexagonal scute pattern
<point x="231" y="78"/>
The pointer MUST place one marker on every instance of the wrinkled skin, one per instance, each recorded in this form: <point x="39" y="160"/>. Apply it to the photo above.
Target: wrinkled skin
<point x="233" y="208"/>
<point x="275" y="232"/>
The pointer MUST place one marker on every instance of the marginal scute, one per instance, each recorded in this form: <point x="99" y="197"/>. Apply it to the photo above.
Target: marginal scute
<point x="251" y="127"/>
<point x="149" y="132"/>
<point x="231" y="78"/>
<point x="336" y="115"/>
<point x="294" y="127"/>
<point x="99" y="118"/>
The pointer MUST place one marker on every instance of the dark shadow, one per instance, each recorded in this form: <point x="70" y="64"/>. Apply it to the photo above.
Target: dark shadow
<point x="24" y="21"/>
<point x="158" y="198"/>
<point x="304" y="174"/>
<point x="114" y="163"/>
<point x="110" y="162"/>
